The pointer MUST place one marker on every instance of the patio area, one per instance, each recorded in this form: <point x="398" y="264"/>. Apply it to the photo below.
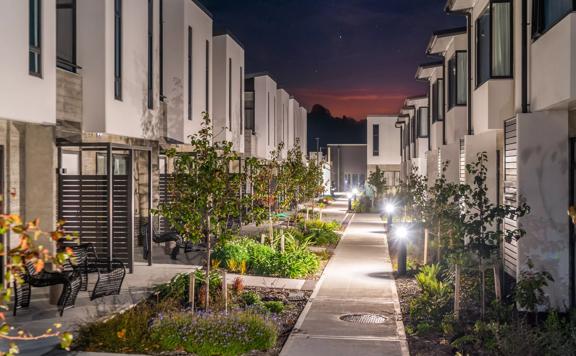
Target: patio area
<point x="41" y="315"/>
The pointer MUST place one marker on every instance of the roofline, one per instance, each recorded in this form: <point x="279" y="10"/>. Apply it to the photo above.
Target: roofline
<point x="444" y="33"/>
<point x="416" y="97"/>
<point x="259" y="74"/>
<point x="226" y="31"/>
<point x="431" y="65"/>
<point x="382" y="115"/>
<point x="449" y="4"/>
<point x="203" y="8"/>
<point x="346" y="144"/>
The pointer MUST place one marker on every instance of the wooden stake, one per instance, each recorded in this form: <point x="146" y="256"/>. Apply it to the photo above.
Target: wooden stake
<point x="191" y="289"/>
<point x="457" y="288"/>
<point x="426" y="237"/>
<point x="497" y="282"/>
<point x="225" y="292"/>
<point x="282" y="241"/>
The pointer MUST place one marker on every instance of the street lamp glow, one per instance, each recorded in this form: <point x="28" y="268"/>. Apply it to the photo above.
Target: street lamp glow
<point x="389" y="208"/>
<point x="355" y="191"/>
<point x="349" y="195"/>
<point x="402" y="232"/>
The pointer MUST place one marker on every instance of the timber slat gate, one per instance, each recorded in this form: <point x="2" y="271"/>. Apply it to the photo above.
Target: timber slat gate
<point x="83" y="205"/>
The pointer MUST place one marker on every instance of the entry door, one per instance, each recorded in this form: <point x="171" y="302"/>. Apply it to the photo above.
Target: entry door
<point x="2" y="211"/>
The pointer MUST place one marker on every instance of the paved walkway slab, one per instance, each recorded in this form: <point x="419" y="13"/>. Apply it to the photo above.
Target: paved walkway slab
<point x="357" y="280"/>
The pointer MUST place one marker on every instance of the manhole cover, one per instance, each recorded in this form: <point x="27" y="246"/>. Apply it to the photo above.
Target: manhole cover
<point x="364" y="318"/>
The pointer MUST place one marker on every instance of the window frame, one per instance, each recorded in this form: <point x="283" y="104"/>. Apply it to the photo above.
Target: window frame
<point x="35" y="38"/>
<point x="419" y="121"/>
<point x="150" y="42"/>
<point x="376" y="139"/>
<point x="241" y="100"/>
<point x="453" y="101"/>
<point x="538" y="27"/>
<point x="63" y="63"/>
<point x="207" y="77"/>
<point x="118" y="50"/>
<point x="229" y="93"/>
<point x="190" y="67"/>
<point x="436" y="90"/>
<point x="161" y="55"/>
<point x="490" y="9"/>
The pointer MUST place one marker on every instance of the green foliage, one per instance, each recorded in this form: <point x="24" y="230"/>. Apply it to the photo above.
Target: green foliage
<point x="250" y="298"/>
<point x="377" y="180"/>
<point x="214" y="334"/>
<point x="274" y="306"/>
<point x="530" y="288"/>
<point x="320" y="233"/>
<point x="433" y="303"/>
<point x="296" y="262"/>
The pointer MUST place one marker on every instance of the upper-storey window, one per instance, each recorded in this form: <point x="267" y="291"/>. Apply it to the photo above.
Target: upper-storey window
<point x="547" y="13"/>
<point x="35" y="38"/>
<point x="241" y="100"/>
<point x="376" y="140"/>
<point x="423" y="122"/>
<point x="229" y="94"/>
<point x="458" y="79"/>
<point x="118" y="49"/>
<point x="438" y="100"/>
<point x="189" y="64"/>
<point x="66" y="34"/>
<point x="249" y="107"/>
<point x="207" y="77"/>
<point x="494" y="42"/>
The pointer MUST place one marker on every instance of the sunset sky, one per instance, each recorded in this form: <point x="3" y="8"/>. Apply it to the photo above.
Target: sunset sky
<point x="355" y="57"/>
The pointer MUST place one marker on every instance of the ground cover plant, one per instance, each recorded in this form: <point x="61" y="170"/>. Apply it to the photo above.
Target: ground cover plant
<point x="256" y="319"/>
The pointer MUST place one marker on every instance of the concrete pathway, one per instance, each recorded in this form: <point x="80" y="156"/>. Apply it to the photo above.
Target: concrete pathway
<point x="357" y="280"/>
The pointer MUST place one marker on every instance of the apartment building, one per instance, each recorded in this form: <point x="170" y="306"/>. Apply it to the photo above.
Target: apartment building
<point x="414" y="124"/>
<point x="348" y="166"/>
<point x="382" y="147"/>
<point x="506" y="85"/>
<point x="228" y="93"/>
<point x="261" y="112"/>
<point x="448" y="93"/>
<point x="294" y="116"/>
<point x="302" y="130"/>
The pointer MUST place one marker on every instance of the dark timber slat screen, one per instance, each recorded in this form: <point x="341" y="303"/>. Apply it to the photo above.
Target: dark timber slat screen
<point x="83" y="205"/>
<point x="164" y="198"/>
<point x="510" y="192"/>
<point x="462" y="162"/>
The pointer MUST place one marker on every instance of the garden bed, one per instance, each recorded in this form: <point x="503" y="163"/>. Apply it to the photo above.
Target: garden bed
<point x="268" y="315"/>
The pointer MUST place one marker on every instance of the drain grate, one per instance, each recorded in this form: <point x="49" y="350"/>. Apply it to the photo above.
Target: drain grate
<point x="364" y="318"/>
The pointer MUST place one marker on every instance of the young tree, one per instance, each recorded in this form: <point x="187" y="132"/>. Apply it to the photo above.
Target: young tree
<point x="205" y="194"/>
<point x="481" y="220"/>
<point x="377" y="180"/>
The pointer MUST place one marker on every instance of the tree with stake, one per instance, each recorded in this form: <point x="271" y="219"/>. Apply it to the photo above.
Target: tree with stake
<point x="481" y="220"/>
<point x="204" y="193"/>
<point x="377" y="180"/>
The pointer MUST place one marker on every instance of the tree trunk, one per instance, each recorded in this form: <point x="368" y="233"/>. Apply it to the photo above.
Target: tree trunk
<point x="483" y="301"/>
<point x="457" y="290"/>
<point x="426" y="237"/>
<point x="192" y="289"/>
<point x="225" y="292"/>
<point x="438" y="246"/>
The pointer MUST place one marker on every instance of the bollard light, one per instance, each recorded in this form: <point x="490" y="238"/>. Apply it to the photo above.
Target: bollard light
<point x="401" y="234"/>
<point x="389" y="208"/>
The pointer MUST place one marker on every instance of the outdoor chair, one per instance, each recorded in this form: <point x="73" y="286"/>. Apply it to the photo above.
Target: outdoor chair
<point x="70" y="280"/>
<point x="170" y="236"/>
<point x="110" y="273"/>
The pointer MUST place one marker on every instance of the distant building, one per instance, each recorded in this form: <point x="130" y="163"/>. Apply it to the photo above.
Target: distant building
<point x="383" y="147"/>
<point x="348" y="166"/>
<point x="260" y="106"/>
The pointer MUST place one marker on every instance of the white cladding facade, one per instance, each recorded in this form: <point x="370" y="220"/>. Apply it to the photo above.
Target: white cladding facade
<point x="383" y="149"/>
<point x="261" y="92"/>
<point x="294" y="115"/>
<point x="18" y="88"/>
<point x="302" y="130"/>
<point x="228" y="94"/>
<point x="188" y="52"/>
<point x="283" y="119"/>
<point x="122" y="101"/>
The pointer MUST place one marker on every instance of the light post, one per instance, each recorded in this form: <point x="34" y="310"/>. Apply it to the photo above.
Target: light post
<point x="401" y="234"/>
<point x="389" y="209"/>
<point x="349" y="195"/>
<point x="355" y="192"/>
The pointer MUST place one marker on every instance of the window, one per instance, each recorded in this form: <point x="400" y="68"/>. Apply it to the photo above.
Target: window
<point x="494" y="42"/>
<point x="190" y="33"/>
<point x="150" y="54"/>
<point x="413" y="129"/>
<point x="241" y="100"/>
<point x="229" y="94"/>
<point x="66" y="34"/>
<point x="423" y="122"/>
<point x="118" y="49"/>
<point x="249" y="107"/>
<point x="547" y="13"/>
<point x="35" y="38"/>
<point x="161" y="34"/>
<point x="269" y="125"/>
<point x="438" y="100"/>
<point x="207" y="77"/>
<point x="458" y="79"/>
<point x="376" y="140"/>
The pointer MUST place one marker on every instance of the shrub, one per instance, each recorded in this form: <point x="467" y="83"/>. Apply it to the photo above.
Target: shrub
<point x="250" y="298"/>
<point x="434" y="301"/>
<point x="215" y="334"/>
<point x="238" y="286"/>
<point x="297" y="264"/>
<point x="274" y="306"/>
<point x="320" y="233"/>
